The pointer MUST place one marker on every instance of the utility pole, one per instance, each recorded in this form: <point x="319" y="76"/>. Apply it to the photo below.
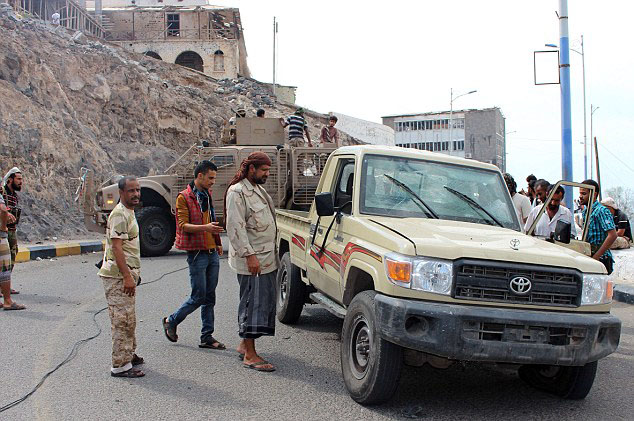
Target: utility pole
<point x="593" y="109"/>
<point x="274" y="55"/>
<point x="566" y="123"/>
<point x="585" y="143"/>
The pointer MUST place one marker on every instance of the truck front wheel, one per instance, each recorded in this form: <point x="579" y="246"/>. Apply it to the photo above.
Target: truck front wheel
<point x="291" y="291"/>
<point x="371" y="366"/>
<point x="157" y="230"/>
<point x="567" y="382"/>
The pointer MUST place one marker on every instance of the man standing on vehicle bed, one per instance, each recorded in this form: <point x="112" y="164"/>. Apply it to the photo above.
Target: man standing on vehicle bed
<point x="250" y="218"/>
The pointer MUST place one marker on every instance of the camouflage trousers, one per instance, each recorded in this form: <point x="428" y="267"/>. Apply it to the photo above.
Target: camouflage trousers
<point x="122" y="322"/>
<point x="13" y="245"/>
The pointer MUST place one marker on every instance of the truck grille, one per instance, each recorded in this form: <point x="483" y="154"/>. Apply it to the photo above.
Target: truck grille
<point x="491" y="282"/>
<point x="498" y="332"/>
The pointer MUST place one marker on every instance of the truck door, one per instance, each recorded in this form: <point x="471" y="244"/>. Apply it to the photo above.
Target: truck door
<point x="324" y="265"/>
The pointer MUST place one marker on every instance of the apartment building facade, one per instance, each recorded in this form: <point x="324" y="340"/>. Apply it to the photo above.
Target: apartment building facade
<point x="472" y="134"/>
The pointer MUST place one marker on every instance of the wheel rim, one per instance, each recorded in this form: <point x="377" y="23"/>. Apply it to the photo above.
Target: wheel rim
<point x="155" y="233"/>
<point x="283" y="287"/>
<point x="360" y="346"/>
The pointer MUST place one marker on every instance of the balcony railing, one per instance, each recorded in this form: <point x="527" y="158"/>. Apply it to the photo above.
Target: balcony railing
<point x="72" y="15"/>
<point x="169" y="34"/>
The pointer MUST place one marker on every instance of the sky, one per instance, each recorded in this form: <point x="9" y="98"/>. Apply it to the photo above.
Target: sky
<point x="369" y="59"/>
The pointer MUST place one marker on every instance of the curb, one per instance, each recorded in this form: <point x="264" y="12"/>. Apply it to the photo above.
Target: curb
<point x="624" y="294"/>
<point x="27" y="253"/>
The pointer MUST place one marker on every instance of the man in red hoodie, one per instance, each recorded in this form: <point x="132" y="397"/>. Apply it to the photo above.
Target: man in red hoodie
<point x="198" y="233"/>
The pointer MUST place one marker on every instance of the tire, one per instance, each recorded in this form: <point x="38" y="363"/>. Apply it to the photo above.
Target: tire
<point x="157" y="231"/>
<point x="291" y="292"/>
<point x="372" y="373"/>
<point x="566" y="382"/>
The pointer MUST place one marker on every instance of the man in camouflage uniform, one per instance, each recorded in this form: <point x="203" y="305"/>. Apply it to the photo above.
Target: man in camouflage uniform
<point x="250" y="217"/>
<point x="120" y="271"/>
<point x="11" y="185"/>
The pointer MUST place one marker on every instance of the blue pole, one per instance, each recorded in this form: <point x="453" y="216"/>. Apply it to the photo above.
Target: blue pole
<point x="566" y="123"/>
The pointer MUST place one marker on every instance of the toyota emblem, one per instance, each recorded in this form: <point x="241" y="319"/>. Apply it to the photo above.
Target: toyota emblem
<point x="520" y="285"/>
<point x="515" y="244"/>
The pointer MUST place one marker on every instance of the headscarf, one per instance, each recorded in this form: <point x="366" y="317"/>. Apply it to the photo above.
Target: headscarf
<point x="257" y="159"/>
<point x="14" y="170"/>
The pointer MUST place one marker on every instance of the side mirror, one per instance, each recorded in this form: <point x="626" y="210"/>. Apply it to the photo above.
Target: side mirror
<point x="562" y="232"/>
<point x="324" y="204"/>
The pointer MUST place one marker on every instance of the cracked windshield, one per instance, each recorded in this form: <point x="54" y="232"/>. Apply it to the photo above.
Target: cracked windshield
<point x="412" y="188"/>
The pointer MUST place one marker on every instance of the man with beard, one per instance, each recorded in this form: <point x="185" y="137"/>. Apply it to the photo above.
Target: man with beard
<point x="250" y="218"/>
<point x="554" y="212"/>
<point x="601" y="232"/>
<point x="120" y="271"/>
<point x="11" y="185"/>
<point x="5" y="262"/>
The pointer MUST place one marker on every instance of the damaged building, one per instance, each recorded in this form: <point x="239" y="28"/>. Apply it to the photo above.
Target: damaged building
<point x="191" y="33"/>
<point x="472" y="134"/>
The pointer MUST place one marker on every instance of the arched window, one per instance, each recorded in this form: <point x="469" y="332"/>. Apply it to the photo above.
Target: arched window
<point x="219" y="61"/>
<point x="190" y="59"/>
<point x="153" y="55"/>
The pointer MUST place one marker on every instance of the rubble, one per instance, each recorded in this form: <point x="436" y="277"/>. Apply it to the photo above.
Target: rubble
<point x="70" y="101"/>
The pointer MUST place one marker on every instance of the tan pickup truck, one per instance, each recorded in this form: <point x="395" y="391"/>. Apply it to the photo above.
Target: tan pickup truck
<point x="423" y="257"/>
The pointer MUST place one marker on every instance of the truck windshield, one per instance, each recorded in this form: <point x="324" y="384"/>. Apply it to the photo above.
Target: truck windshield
<point x="454" y="192"/>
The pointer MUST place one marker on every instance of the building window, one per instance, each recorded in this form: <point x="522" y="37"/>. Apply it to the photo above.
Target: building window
<point x="173" y="25"/>
<point x="219" y="61"/>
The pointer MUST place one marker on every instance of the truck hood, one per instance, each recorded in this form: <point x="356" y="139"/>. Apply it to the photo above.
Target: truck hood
<point x="453" y="240"/>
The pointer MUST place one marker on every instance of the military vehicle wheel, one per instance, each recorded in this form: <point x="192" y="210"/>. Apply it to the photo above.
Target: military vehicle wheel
<point x="567" y="382"/>
<point x="157" y="230"/>
<point x="291" y="291"/>
<point x="371" y="366"/>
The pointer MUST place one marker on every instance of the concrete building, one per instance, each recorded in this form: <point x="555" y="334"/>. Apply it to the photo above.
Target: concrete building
<point x="192" y="33"/>
<point x="475" y="134"/>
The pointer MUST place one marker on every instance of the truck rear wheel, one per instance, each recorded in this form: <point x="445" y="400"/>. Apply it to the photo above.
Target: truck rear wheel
<point x="157" y="231"/>
<point x="567" y="382"/>
<point x="371" y="366"/>
<point x="291" y="291"/>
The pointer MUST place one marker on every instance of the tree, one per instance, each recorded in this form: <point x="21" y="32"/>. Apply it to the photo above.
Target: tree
<point x="624" y="198"/>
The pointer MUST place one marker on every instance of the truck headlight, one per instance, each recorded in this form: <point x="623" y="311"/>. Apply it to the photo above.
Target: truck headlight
<point x="420" y="273"/>
<point x="597" y="289"/>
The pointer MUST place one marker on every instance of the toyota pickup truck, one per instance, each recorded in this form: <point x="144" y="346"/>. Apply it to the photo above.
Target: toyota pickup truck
<point x="423" y="257"/>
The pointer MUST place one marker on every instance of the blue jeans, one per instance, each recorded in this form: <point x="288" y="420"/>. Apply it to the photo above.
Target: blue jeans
<point x="203" y="275"/>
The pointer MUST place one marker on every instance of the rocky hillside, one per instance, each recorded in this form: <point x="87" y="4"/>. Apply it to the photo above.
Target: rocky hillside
<point x="69" y="101"/>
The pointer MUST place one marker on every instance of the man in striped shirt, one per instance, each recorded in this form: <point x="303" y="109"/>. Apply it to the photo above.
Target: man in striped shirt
<point x="297" y="126"/>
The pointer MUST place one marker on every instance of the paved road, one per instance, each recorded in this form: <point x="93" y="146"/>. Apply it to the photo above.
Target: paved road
<point x="185" y="381"/>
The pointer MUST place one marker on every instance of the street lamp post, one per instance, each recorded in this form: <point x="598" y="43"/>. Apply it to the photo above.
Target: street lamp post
<point x="593" y="109"/>
<point x="585" y="138"/>
<point x="451" y="114"/>
<point x="564" y="77"/>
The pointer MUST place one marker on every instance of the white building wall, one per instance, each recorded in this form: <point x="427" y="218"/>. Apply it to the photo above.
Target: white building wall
<point x="366" y="131"/>
<point x="418" y="138"/>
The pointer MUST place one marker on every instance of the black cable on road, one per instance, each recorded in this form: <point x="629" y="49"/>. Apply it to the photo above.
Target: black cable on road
<point x="74" y="350"/>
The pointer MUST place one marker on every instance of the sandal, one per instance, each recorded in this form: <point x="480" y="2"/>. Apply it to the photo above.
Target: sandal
<point x="14" y="292"/>
<point x="136" y="360"/>
<point x="132" y="373"/>
<point x="212" y="343"/>
<point x="14" y="306"/>
<point x="170" y="332"/>
<point x="258" y="366"/>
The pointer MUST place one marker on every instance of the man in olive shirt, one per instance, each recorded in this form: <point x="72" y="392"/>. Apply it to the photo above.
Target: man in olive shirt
<point x="120" y="271"/>
<point x="252" y="232"/>
<point x="198" y="234"/>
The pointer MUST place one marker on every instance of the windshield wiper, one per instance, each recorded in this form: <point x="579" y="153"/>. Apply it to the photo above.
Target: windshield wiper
<point x="428" y="211"/>
<point x="474" y="204"/>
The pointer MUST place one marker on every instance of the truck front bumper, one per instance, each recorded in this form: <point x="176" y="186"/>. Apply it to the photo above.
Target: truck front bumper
<point x="471" y="333"/>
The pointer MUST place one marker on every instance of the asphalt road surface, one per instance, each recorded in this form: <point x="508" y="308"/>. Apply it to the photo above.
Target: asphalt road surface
<point x="185" y="382"/>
